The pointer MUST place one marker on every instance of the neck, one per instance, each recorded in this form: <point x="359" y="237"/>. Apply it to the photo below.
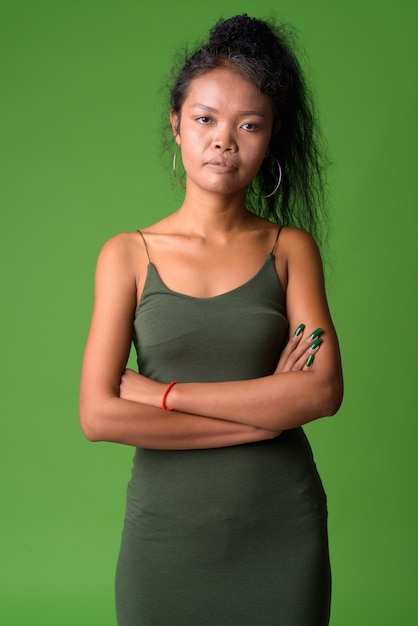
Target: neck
<point x="211" y="214"/>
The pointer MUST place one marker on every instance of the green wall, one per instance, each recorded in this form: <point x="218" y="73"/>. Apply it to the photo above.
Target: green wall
<point x="80" y="113"/>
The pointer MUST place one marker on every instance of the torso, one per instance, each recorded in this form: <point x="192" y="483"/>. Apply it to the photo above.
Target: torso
<point x="202" y="519"/>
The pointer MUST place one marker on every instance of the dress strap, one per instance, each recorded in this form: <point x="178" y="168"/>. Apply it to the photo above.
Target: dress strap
<point x="276" y="240"/>
<point x="145" y="244"/>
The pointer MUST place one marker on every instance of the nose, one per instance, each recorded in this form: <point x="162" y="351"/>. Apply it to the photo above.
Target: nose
<point x="224" y="140"/>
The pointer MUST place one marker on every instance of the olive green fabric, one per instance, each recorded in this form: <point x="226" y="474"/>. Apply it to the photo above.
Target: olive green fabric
<point x="225" y="536"/>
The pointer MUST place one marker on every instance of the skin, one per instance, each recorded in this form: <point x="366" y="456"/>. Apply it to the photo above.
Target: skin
<point x="211" y="245"/>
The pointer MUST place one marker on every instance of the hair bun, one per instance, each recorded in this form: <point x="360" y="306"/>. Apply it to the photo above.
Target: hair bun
<point x="242" y="32"/>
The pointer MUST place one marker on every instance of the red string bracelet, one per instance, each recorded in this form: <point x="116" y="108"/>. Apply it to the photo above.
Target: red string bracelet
<point x="165" y="394"/>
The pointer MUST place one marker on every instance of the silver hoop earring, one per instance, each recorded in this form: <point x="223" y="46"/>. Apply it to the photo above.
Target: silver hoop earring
<point x="279" y="169"/>
<point x="178" y="183"/>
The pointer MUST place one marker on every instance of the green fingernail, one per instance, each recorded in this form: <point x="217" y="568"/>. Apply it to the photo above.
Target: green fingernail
<point x="310" y="360"/>
<point x="299" y="329"/>
<point x="316" y="343"/>
<point x="315" y="333"/>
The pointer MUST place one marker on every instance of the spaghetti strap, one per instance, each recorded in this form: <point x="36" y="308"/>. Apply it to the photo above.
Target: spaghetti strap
<point x="145" y="244"/>
<point x="276" y="240"/>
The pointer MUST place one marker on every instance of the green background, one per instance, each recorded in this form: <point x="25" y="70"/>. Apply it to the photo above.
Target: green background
<point x="80" y="115"/>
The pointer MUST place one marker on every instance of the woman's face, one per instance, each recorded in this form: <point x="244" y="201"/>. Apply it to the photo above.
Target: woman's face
<point x="224" y="131"/>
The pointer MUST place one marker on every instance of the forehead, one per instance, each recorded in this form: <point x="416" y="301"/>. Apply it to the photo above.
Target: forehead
<point x="223" y="86"/>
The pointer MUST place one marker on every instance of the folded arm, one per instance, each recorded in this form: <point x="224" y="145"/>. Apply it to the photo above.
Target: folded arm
<point x="295" y="394"/>
<point x="104" y="415"/>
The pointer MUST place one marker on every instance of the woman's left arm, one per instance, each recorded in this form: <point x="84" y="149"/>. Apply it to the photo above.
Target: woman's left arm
<point x="285" y="399"/>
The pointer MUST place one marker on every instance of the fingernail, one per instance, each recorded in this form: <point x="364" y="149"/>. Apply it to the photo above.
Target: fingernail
<point x="299" y="330"/>
<point x="310" y="360"/>
<point x="315" y="333"/>
<point x="316" y="343"/>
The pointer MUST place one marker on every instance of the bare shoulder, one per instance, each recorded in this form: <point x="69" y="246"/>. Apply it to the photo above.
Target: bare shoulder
<point x="300" y="250"/>
<point x="122" y="245"/>
<point x="125" y="250"/>
<point x="295" y="241"/>
<point x="296" y="253"/>
<point x="122" y="264"/>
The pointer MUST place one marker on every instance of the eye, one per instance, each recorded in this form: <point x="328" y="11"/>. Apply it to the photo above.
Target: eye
<point x="250" y="126"/>
<point x="203" y="119"/>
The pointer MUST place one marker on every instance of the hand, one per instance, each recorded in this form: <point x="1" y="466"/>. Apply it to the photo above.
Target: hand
<point x="138" y="388"/>
<point x="300" y="352"/>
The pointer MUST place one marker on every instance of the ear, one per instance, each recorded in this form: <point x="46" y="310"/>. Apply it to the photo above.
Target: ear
<point x="175" y="126"/>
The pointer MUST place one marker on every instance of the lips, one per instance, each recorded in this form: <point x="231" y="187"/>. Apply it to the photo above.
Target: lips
<point x="222" y="164"/>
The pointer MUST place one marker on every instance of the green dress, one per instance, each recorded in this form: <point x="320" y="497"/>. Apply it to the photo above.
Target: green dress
<point x="228" y="536"/>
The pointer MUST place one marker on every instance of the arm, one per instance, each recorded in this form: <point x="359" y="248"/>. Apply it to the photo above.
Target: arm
<point x="292" y="396"/>
<point x="104" y="415"/>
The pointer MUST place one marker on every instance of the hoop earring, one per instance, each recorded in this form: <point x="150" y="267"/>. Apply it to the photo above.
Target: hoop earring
<point x="279" y="169"/>
<point x="178" y="183"/>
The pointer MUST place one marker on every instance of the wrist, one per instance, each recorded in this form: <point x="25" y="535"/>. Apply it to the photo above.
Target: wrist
<point x="165" y="404"/>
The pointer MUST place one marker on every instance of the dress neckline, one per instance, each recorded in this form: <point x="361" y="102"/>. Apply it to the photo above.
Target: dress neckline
<point x="179" y="294"/>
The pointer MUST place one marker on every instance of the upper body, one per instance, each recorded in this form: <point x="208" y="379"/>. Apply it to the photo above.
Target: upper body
<point x="211" y="245"/>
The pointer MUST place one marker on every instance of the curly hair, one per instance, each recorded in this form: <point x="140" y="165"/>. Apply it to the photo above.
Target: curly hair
<point x="262" y="53"/>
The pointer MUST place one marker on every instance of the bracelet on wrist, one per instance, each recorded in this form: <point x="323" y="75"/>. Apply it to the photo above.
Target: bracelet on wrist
<point x="165" y="394"/>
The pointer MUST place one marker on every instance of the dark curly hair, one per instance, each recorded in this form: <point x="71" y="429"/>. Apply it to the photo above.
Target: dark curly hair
<point x="261" y="52"/>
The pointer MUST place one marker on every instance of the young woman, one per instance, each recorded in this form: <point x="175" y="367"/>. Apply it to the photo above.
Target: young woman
<point x="226" y="519"/>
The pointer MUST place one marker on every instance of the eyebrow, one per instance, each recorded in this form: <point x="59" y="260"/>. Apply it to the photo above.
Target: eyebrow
<point x="212" y="110"/>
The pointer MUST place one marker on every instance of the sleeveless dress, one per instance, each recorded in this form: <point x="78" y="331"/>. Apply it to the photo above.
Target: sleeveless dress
<point x="233" y="536"/>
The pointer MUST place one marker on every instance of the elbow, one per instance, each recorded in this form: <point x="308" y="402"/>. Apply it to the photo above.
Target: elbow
<point x="333" y="397"/>
<point x="90" y="423"/>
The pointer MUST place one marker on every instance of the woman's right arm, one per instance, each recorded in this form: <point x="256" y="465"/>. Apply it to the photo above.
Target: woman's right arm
<point x="104" y="416"/>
